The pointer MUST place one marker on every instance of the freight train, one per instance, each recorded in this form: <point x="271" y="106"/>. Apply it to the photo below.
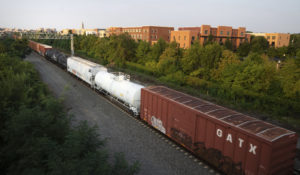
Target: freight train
<point x="232" y="142"/>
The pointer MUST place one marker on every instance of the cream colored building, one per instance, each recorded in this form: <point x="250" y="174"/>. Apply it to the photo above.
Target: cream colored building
<point x="98" y="32"/>
<point x="275" y="39"/>
<point x="103" y="33"/>
<point x="91" y="31"/>
<point x="65" y="31"/>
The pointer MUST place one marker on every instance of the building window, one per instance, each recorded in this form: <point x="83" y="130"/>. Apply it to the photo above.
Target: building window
<point x="183" y="44"/>
<point x="206" y="31"/>
<point x="273" y="44"/>
<point x="174" y="38"/>
<point x="268" y="37"/>
<point x="155" y="36"/>
<point x="184" y="38"/>
<point x="179" y="38"/>
<point x="242" y="33"/>
<point x="193" y="38"/>
<point x="221" y="33"/>
<point x="228" y="33"/>
<point x="169" y="31"/>
<point x="273" y="37"/>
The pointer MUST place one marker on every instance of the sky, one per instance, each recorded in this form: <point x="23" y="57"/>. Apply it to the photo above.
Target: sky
<point x="256" y="15"/>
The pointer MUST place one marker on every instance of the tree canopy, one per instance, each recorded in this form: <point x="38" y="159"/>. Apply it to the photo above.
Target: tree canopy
<point x="241" y="77"/>
<point x="36" y="134"/>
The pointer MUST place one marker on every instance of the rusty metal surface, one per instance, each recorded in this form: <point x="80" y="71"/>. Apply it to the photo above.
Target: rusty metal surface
<point x="250" y="124"/>
<point x="238" y="119"/>
<point x="222" y="113"/>
<point x="273" y="133"/>
<point x="233" y="142"/>
<point x="256" y="126"/>
<point x="206" y="108"/>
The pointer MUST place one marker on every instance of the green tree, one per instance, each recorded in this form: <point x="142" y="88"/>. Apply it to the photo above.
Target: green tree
<point x="211" y="55"/>
<point x="290" y="77"/>
<point x="156" y="50"/>
<point x="228" y="44"/>
<point x="142" y="51"/>
<point x="295" y="41"/>
<point x="36" y="134"/>
<point x="280" y="52"/>
<point x="244" y="49"/>
<point x="257" y="74"/>
<point x="101" y="50"/>
<point x="229" y="62"/>
<point x="191" y="58"/>
<point x="122" y="43"/>
<point x="169" y="60"/>
<point x="259" y="44"/>
<point x="210" y="40"/>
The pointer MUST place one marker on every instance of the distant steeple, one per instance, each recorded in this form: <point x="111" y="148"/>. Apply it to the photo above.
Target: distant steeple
<point x="82" y="25"/>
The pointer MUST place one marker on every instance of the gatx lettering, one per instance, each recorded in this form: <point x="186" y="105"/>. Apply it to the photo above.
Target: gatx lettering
<point x="241" y="141"/>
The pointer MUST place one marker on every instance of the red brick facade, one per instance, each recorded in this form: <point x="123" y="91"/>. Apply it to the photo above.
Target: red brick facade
<point x="150" y="34"/>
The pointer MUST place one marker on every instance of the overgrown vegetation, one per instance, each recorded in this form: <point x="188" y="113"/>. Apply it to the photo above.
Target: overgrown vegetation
<point x="36" y="135"/>
<point x="247" y="77"/>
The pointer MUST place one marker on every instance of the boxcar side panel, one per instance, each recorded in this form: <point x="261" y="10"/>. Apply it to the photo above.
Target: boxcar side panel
<point x="240" y="150"/>
<point x="236" y="143"/>
<point x="149" y="107"/>
<point x="182" y="125"/>
<point x="265" y="156"/>
<point x="220" y="137"/>
<point x="165" y="115"/>
<point x="142" y="112"/>
<point x="252" y="157"/>
<point x="210" y="134"/>
<point x="200" y="132"/>
<point x="229" y="145"/>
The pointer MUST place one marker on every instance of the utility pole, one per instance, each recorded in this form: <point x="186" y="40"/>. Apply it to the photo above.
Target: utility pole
<point x="72" y="45"/>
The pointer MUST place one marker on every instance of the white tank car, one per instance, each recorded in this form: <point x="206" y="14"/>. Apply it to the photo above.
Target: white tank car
<point x="120" y="88"/>
<point x="84" y="69"/>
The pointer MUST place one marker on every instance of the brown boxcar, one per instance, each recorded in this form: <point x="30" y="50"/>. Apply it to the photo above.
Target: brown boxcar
<point x="233" y="142"/>
<point x="42" y="48"/>
<point x="34" y="45"/>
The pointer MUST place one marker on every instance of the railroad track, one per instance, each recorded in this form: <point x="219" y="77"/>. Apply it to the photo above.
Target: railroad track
<point x="187" y="153"/>
<point x="120" y="106"/>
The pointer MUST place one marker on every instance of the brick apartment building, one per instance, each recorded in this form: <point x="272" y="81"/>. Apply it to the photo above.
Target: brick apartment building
<point x="185" y="36"/>
<point x="275" y="39"/>
<point x="150" y="34"/>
